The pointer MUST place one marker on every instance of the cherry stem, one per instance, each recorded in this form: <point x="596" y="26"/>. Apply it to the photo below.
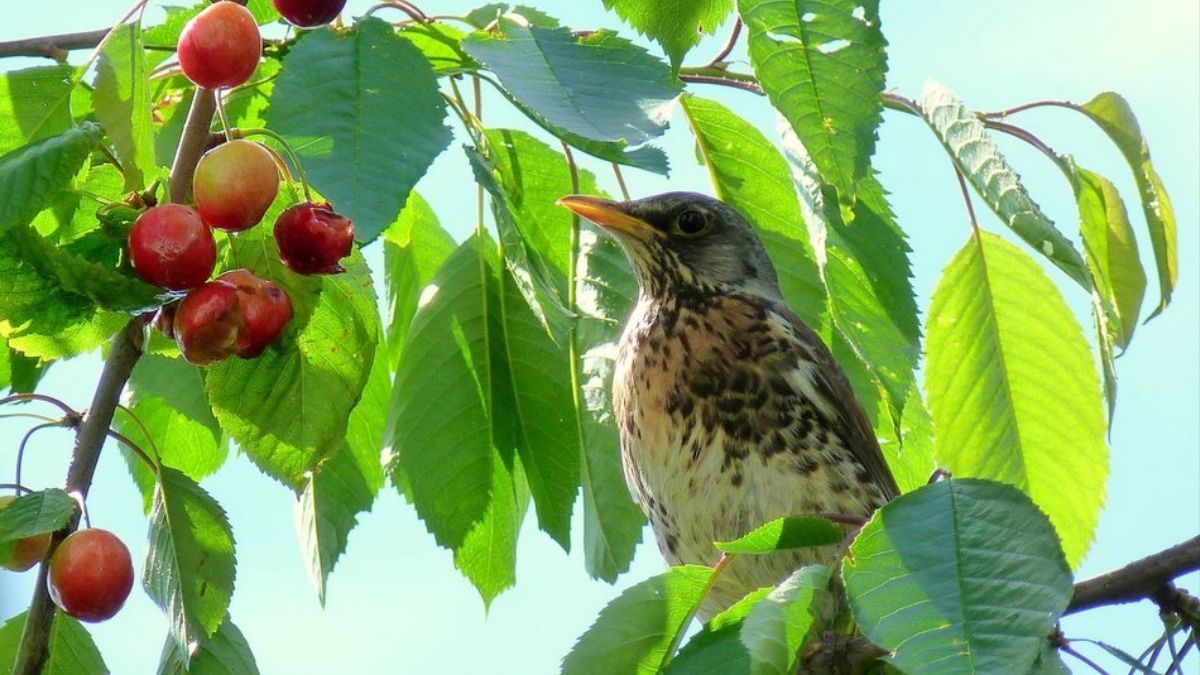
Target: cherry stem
<point x="71" y="413"/>
<point x="717" y="60"/>
<point x="220" y="98"/>
<point x="141" y="425"/>
<point x="721" y="566"/>
<point x="407" y="7"/>
<point x="137" y="449"/>
<point x="15" y="487"/>
<point x="620" y="181"/>
<point x="287" y="147"/>
<point x="25" y="441"/>
<point x="35" y="416"/>
<point x="478" y="96"/>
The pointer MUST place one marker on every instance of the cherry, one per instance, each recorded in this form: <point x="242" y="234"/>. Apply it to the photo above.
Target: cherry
<point x="265" y="308"/>
<point x="220" y="46"/>
<point x="90" y="575"/>
<point x="234" y="184"/>
<point x="172" y="248"/>
<point x="312" y="238"/>
<point x="309" y="13"/>
<point x="207" y="323"/>
<point x="22" y="554"/>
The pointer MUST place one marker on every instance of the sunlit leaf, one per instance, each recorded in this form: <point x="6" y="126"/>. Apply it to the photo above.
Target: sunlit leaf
<point x="677" y="27"/>
<point x="34" y="103"/>
<point x="35" y="513"/>
<point x="33" y="174"/>
<point x="226" y="652"/>
<point x="121" y="98"/>
<point x="72" y="651"/>
<point x="786" y="533"/>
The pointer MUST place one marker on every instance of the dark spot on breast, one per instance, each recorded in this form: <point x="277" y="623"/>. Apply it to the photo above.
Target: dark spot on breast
<point x="807" y="464"/>
<point x="737" y="478"/>
<point x="729" y="404"/>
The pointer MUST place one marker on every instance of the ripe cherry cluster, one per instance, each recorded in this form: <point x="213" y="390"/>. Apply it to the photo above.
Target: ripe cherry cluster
<point x="172" y="245"/>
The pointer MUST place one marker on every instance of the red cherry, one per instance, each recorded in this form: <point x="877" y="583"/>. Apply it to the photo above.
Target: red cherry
<point x="22" y="554"/>
<point x="172" y="248"/>
<point x="207" y="323"/>
<point x="90" y="575"/>
<point x="234" y="184"/>
<point x="309" y="13"/>
<point x="220" y="46"/>
<point x="312" y="238"/>
<point x="265" y="307"/>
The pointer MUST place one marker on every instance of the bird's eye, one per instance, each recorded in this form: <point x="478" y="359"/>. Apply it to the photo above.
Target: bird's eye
<point x="691" y="222"/>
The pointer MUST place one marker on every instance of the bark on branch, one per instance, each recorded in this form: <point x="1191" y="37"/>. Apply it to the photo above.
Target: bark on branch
<point x="1140" y="579"/>
<point x="53" y="46"/>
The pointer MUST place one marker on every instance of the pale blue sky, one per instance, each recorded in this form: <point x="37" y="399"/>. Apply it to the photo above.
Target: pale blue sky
<point x="396" y="604"/>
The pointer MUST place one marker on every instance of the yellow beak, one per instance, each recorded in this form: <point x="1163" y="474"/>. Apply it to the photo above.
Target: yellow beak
<point x="607" y="214"/>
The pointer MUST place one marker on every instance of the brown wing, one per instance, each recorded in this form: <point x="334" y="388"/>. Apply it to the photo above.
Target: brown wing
<point x="852" y="421"/>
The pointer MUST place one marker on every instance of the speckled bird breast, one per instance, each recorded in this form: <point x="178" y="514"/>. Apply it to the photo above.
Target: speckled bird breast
<point x="722" y="430"/>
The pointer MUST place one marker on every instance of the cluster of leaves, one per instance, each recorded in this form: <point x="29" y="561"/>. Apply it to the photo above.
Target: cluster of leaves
<point x="486" y="383"/>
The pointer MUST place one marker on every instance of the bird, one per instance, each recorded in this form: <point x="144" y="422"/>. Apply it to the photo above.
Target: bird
<point x="731" y="411"/>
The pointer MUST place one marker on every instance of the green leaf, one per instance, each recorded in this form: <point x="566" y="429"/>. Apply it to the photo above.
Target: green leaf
<point x="441" y="45"/>
<point x="447" y="451"/>
<point x="822" y="64"/>
<point x="488" y="555"/>
<point x="122" y="103"/>
<point x="612" y="522"/>
<point x="189" y="568"/>
<point x="1012" y="386"/>
<point x="346" y="484"/>
<point x="35" y="513"/>
<point x="718" y="647"/>
<point x="110" y="287"/>
<point x="72" y="651"/>
<point x="288" y="408"/>
<point x="781" y="623"/>
<point x="962" y="576"/>
<point x="550" y="74"/>
<point x="1112" y="114"/>
<point x="749" y="174"/>
<point x="32" y="175"/>
<point x="225" y="653"/>
<point x="168" y="397"/>
<point x="414" y="247"/>
<point x="785" y="533"/>
<point x="975" y="154"/>
<point x="362" y="110"/>
<point x="678" y="27"/>
<point x="633" y="633"/>
<point x="34" y="103"/>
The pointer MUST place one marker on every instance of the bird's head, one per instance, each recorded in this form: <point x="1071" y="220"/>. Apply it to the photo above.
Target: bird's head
<point x="684" y="241"/>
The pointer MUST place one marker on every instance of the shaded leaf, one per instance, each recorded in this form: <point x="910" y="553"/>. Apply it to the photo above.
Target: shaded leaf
<point x="959" y="576"/>
<point x="225" y="653"/>
<point x="975" y="154"/>
<point x="776" y="628"/>
<point x="189" y="567"/>
<point x="35" y="513"/>
<point x="32" y="175"/>
<point x="488" y="555"/>
<point x="1112" y="113"/>
<point x="822" y="64"/>
<point x="355" y="149"/>
<point x="414" y="247"/>
<point x="634" y="631"/>
<point x="34" y="103"/>
<point x="121" y="98"/>
<point x="1012" y="386"/>
<point x="785" y="533"/>
<point x="612" y="522"/>
<point x="553" y="77"/>
<point x="288" y="408"/>
<point x="346" y="484"/>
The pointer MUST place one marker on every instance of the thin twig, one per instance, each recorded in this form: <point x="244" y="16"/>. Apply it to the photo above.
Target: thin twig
<point x="25" y="441"/>
<point x="1138" y="579"/>
<point x="15" y="486"/>
<point x="751" y="87"/>
<point x="1028" y="137"/>
<point x="53" y="46"/>
<point x="412" y="11"/>
<point x="715" y="61"/>
<point x="717" y="570"/>
<point x="620" y="181"/>
<point x="1001" y="114"/>
<point x="137" y="449"/>
<point x="1068" y="649"/>
<point x="966" y="193"/>
<point x="70" y="412"/>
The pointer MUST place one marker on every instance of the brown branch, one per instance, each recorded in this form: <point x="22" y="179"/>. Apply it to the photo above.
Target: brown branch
<point x="730" y="43"/>
<point x="744" y="85"/>
<point x="1139" y="579"/>
<point x="192" y="144"/>
<point x="53" y="46"/>
<point x="126" y="348"/>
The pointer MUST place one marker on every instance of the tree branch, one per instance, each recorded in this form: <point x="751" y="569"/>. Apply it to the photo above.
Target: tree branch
<point x="53" y="46"/>
<point x="1140" y="579"/>
<point x="126" y="348"/>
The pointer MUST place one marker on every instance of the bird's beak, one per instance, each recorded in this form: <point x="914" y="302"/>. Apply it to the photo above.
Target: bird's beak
<point x="608" y="214"/>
